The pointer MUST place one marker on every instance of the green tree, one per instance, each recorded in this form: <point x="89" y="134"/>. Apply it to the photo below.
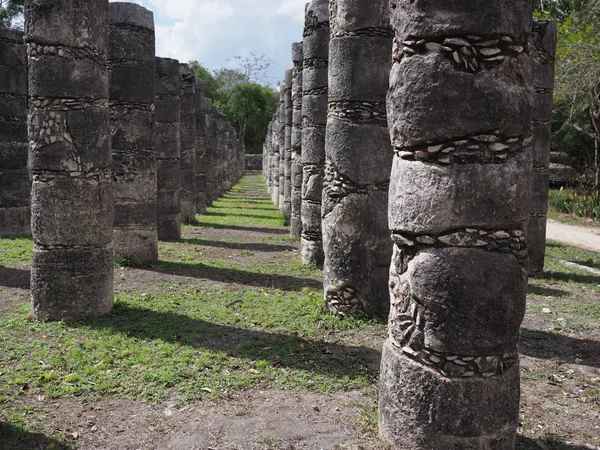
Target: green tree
<point x="212" y="84"/>
<point x="9" y="11"/>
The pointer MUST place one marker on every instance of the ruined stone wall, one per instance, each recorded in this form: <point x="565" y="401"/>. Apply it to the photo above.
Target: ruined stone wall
<point x="356" y="240"/>
<point x="15" y="184"/>
<point x="132" y="67"/>
<point x="70" y="158"/>
<point x="314" y="121"/>
<point x="188" y="143"/>
<point x="543" y="52"/>
<point x="253" y="162"/>
<point x="296" y="142"/>
<point x="168" y="148"/>
<point x="458" y="209"/>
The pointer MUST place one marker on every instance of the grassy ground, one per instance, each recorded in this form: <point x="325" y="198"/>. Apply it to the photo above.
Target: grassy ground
<point x="229" y="308"/>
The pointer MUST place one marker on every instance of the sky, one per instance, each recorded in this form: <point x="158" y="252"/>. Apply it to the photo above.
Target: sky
<point x="214" y="32"/>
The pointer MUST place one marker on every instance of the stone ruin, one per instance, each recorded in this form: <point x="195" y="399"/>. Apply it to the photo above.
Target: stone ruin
<point x="15" y="185"/>
<point x="98" y="136"/>
<point x="358" y="154"/>
<point x="296" y="143"/>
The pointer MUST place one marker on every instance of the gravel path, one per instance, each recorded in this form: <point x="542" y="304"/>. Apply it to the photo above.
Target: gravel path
<point x="588" y="238"/>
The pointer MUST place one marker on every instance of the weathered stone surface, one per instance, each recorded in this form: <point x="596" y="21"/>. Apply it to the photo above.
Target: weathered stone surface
<point x="296" y="142"/>
<point x="70" y="157"/>
<point x="314" y="120"/>
<point x="359" y="157"/>
<point x="253" y="162"/>
<point x="287" y="159"/>
<point x="131" y="66"/>
<point x="188" y="143"/>
<point x="168" y="148"/>
<point x="15" y="185"/>
<point x="459" y="109"/>
<point x="543" y="51"/>
<point x="205" y="149"/>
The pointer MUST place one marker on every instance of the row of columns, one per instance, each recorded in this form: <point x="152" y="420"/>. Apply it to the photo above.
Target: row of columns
<point x="429" y="123"/>
<point x="107" y="147"/>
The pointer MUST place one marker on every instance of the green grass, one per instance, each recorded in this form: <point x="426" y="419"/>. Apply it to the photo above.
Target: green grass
<point x="264" y="327"/>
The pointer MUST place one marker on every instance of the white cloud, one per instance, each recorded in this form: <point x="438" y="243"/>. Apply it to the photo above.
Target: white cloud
<point x="215" y="31"/>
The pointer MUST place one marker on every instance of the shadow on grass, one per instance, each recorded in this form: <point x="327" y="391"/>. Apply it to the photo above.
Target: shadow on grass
<point x="571" y="277"/>
<point x="244" y="277"/>
<point x="239" y="245"/>
<point x="233" y="215"/>
<point x="573" y="258"/>
<point x="550" y="345"/>
<point x="549" y="443"/>
<point x="15" y="278"/>
<point x="241" y="228"/>
<point x="280" y="350"/>
<point x="546" y="291"/>
<point x="15" y="438"/>
<point x="235" y="205"/>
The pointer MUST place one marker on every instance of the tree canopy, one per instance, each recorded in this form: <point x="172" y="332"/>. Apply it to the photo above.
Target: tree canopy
<point x="248" y="104"/>
<point x="9" y="11"/>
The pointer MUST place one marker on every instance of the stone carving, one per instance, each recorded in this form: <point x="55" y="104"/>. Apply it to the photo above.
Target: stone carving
<point x="70" y="158"/>
<point x="314" y="121"/>
<point x="296" y="142"/>
<point x="359" y="157"/>
<point x="168" y="148"/>
<point x="188" y="143"/>
<point x="132" y="67"/>
<point x="543" y="52"/>
<point x="15" y="184"/>
<point x="450" y="371"/>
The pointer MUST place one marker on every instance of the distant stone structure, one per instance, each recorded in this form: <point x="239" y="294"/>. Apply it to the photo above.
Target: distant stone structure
<point x="70" y="158"/>
<point x="15" y="184"/>
<point x="287" y="161"/>
<point x="543" y="52"/>
<point x="356" y="238"/>
<point x="132" y="67"/>
<point x="168" y="148"/>
<point x="296" y="142"/>
<point x="188" y="143"/>
<point x="253" y="162"/>
<point x="281" y="146"/>
<point x="458" y="209"/>
<point x="314" y="121"/>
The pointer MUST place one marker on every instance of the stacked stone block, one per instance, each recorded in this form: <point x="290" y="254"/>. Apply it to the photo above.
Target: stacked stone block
<point x="168" y="148"/>
<point x="281" y="146"/>
<point x="459" y="111"/>
<point x="131" y="67"/>
<point x="314" y="120"/>
<point x="70" y="158"/>
<point x="543" y="52"/>
<point x="359" y="156"/>
<point x="296" y="142"/>
<point x="287" y="162"/>
<point x="188" y="143"/>
<point x="203" y="148"/>
<point x="15" y="184"/>
<point x="275" y="158"/>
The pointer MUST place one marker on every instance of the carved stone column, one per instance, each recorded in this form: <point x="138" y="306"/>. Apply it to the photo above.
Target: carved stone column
<point x="296" y="142"/>
<point x="188" y="143"/>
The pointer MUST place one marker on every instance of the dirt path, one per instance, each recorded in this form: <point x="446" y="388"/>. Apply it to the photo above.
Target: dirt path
<point x="588" y="238"/>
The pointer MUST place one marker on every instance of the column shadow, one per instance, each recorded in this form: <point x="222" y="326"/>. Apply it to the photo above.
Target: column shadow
<point x="240" y="228"/>
<point x="550" y="443"/>
<point x="15" y="278"/>
<point x="13" y="437"/>
<point x="239" y="245"/>
<point x="550" y="345"/>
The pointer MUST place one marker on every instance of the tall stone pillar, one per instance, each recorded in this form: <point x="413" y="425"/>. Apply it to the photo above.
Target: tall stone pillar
<point x="296" y="142"/>
<point x="203" y="106"/>
<point x="275" y="158"/>
<point x="356" y="239"/>
<point x="188" y="143"/>
<point x="287" y="161"/>
<point x="314" y="121"/>
<point x="281" y="146"/>
<point x="459" y="110"/>
<point x="70" y="158"/>
<point x="15" y="185"/>
<point x="268" y="156"/>
<point x="131" y="67"/>
<point x="168" y="148"/>
<point x="543" y="52"/>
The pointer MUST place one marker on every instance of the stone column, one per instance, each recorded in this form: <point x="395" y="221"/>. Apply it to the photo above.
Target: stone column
<point x="168" y="148"/>
<point x="543" y="52"/>
<point x="281" y="145"/>
<point x="356" y="239"/>
<point x="275" y="158"/>
<point x="131" y="67"/>
<point x="188" y="143"/>
<point x="459" y="110"/>
<point x="314" y="121"/>
<point x="296" y="142"/>
<point x="202" y="146"/>
<point x="70" y="159"/>
<point x="15" y="185"/>
<point x="268" y="156"/>
<point x="287" y="162"/>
